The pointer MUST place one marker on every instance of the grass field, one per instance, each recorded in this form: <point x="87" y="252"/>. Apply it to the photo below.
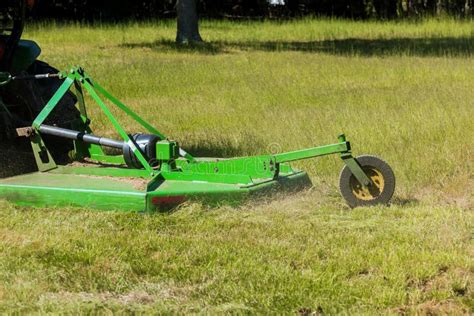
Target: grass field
<point x="403" y="91"/>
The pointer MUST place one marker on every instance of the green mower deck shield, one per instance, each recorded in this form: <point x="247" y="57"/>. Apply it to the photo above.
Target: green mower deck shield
<point x="52" y="189"/>
<point x="79" y="187"/>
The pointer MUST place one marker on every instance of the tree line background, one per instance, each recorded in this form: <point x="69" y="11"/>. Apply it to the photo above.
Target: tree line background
<point x="106" y="10"/>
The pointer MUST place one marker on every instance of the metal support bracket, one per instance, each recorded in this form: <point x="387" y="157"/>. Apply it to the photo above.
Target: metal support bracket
<point x="44" y="159"/>
<point x="353" y="165"/>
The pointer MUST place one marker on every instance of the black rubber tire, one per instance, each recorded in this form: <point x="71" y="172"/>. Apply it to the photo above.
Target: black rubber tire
<point x="62" y="116"/>
<point x="373" y="166"/>
<point x="32" y="96"/>
<point x="66" y="111"/>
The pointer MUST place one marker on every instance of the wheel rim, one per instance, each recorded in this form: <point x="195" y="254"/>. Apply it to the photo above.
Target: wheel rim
<point x="373" y="191"/>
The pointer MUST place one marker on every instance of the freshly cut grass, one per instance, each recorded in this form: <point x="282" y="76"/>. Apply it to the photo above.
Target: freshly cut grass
<point x="399" y="90"/>
<point x="282" y="256"/>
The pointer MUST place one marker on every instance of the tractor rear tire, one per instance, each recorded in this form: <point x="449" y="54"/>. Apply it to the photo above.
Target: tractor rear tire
<point x="63" y="115"/>
<point x="379" y="192"/>
<point x="31" y="96"/>
<point x="66" y="111"/>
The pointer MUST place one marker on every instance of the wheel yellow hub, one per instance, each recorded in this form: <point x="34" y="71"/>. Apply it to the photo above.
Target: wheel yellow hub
<point x="371" y="192"/>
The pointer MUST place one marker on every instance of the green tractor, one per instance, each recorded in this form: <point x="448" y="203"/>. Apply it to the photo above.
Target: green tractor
<point x="22" y="100"/>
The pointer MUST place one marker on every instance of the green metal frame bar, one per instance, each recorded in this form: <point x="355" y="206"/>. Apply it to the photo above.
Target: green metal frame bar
<point x="133" y="115"/>
<point x="127" y="110"/>
<point x="81" y="101"/>
<point x="119" y="128"/>
<point x="78" y="77"/>
<point x="342" y="147"/>
<point x="63" y="89"/>
<point x="83" y="150"/>
<point x="353" y="165"/>
<point x="44" y="159"/>
<point x="356" y="170"/>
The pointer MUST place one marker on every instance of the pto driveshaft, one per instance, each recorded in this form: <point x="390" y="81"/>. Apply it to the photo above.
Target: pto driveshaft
<point x="75" y="135"/>
<point x="145" y="144"/>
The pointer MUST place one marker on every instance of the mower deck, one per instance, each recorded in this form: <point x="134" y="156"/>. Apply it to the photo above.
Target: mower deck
<point x="155" y="173"/>
<point x="85" y="187"/>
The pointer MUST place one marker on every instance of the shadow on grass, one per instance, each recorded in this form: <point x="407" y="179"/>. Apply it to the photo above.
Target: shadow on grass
<point x="424" y="47"/>
<point x="405" y="201"/>
<point x="168" y="45"/>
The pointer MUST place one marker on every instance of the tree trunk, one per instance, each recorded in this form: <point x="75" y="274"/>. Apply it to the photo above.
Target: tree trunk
<point x="292" y="6"/>
<point x="188" y="27"/>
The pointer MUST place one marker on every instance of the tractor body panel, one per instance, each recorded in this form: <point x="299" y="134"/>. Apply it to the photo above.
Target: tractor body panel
<point x="25" y="55"/>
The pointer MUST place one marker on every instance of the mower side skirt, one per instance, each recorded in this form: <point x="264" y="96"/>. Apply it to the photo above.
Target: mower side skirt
<point x="71" y="186"/>
<point x="222" y="193"/>
<point x="49" y="189"/>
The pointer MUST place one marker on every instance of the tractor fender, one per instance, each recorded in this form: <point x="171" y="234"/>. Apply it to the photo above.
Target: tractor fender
<point x="24" y="56"/>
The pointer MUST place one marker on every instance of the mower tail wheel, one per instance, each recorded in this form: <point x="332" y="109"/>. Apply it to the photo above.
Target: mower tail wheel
<point x="379" y="192"/>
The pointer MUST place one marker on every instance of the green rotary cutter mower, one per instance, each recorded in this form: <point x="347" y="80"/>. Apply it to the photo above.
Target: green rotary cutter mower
<point x="151" y="172"/>
<point x="68" y="165"/>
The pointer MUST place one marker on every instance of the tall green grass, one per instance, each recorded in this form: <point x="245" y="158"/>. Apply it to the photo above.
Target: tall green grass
<point x="400" y="90"/>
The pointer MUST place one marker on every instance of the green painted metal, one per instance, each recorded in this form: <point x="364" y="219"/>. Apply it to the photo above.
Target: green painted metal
<point x="135" y="116"/>
<point x="81" y="149"/>
<point x="225" y="193"/>
<point x="118" y="127"/>
<point x="257" y="167"/>
<point x="62" y="188"/>
<point x="80" y="100"/>
<point x="356" y="170"/>
<point x="127" y="110"/>
<point x="177" y="176"/>
<point x="102" y="171"/>
<point x="313" y="152"/>
<point x="167" y="150"/>
<point x="208" y="177"/>
<point x="44" y="159"/>
<point x="54" y="189"/>
<point x="53" y="102"/>
<point x="352" y="164"/>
